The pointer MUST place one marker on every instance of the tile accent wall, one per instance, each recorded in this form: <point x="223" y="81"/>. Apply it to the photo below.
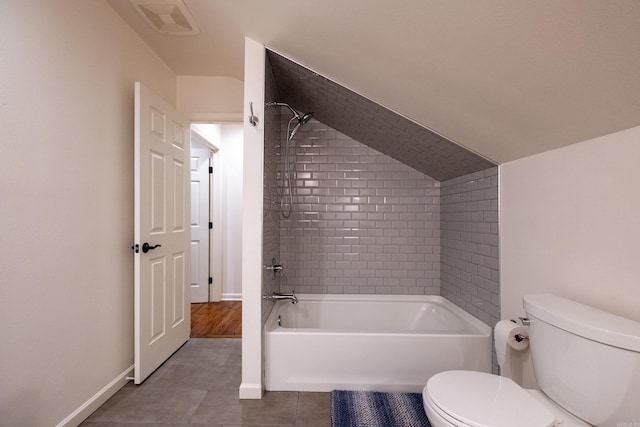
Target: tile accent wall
<point x="366" y="121"/>
<point x="469" y="259"/>
<point x="365" y="221"/>
<point x="362" y="222"/>
<point x="270" y="208"/>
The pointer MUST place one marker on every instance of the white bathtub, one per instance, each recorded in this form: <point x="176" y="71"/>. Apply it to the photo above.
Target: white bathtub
<point x="370" y="342"/>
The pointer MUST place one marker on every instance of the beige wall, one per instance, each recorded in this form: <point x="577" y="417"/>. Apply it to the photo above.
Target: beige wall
<point x="210" y="98"/>
<point x="67" y="70"/>
<point x="570" y="225"/>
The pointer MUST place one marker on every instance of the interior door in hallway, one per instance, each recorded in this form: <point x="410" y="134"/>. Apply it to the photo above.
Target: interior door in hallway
<point x="200" y="219"/>
<point x="162" y="313"/>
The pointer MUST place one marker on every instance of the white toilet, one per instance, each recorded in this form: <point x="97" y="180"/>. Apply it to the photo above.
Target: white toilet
<point x="587" y="363"/>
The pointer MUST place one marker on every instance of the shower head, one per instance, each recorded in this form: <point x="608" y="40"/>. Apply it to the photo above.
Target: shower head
<point x="301" y="120"/>
<point x="304" y="119"/>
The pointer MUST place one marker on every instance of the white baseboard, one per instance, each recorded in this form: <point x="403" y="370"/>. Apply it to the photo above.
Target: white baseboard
<point x="231" y="297"/>
<point x="97" y="400"/>
<point x="250" y="391"/>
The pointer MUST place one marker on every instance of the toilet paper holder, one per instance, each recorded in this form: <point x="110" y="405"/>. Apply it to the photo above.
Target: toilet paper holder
<point x="525" y="321"/>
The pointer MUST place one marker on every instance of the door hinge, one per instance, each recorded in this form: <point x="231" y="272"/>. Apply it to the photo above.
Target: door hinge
<point x="210" y="226"/>
<point x="210" y="169"/>
<point x="210" y="280"/>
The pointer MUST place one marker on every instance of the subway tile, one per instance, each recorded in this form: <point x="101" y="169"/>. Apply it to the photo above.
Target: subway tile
<point x="473" y="245"/>
<point x="399" y="274"/>
<point x="401" y="212"/>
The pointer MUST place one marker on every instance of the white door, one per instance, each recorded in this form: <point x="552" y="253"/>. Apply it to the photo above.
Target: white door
<point x="200" y="222"/>
<point x="162" y="233"/>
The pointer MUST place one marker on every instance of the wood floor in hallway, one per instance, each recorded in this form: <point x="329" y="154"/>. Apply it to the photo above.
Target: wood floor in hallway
<point x="216" y="320"/>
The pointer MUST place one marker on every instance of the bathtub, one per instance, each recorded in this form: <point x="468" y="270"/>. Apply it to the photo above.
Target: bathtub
<point x="370" y="342"/>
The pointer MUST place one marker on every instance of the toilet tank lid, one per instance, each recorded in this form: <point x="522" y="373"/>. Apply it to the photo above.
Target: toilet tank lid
<point x="584" y="320"/>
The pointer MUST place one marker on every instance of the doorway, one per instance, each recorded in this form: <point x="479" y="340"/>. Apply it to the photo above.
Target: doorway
<point x="216" y="162"/>
<point x="205" y="269"/>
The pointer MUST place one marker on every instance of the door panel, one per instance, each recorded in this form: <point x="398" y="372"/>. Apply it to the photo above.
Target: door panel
<point x="162" y="315"/>
<point x="179" y="291"/>
<point x="158" y="185"/>
<point x="179" y="196"/>
<point x="158" y="291"/>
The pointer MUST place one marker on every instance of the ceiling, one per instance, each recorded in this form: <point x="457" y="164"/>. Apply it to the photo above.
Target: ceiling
<point x="503" y="78"/>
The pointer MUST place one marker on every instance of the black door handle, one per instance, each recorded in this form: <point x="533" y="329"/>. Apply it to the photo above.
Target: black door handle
<point x="147" y="247"/>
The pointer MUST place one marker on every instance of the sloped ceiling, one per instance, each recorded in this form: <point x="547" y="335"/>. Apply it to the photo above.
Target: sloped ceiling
<point x="504" y="78"/>
<point x="370" y="124"/>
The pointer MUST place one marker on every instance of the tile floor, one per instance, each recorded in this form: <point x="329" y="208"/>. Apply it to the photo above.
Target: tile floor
<point x="198" y="386"/>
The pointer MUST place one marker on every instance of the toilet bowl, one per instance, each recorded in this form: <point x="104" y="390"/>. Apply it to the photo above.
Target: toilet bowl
<point x="478" y="399"/>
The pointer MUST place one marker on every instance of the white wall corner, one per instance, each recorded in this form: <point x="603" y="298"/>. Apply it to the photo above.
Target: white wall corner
<point x="253" y="152"/>
<point x="250" y="391"/>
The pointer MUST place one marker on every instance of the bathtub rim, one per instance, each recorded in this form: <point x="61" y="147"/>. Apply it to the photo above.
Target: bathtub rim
<point x="481" y="329"/>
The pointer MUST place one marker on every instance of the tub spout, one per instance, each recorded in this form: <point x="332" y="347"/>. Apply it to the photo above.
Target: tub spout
<point x="278" y="296"/>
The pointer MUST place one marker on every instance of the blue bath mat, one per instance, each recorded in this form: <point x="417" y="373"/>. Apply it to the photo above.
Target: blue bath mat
<point x="376" y="409"/>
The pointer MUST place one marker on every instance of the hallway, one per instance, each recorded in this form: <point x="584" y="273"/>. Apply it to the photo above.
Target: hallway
<point x="198" y="386"/>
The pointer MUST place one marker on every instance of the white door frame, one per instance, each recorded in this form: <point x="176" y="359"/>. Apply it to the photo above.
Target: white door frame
<point x="217" y="203"/>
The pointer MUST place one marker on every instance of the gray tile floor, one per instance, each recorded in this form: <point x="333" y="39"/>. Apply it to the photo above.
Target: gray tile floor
<point x="198" y="386"/>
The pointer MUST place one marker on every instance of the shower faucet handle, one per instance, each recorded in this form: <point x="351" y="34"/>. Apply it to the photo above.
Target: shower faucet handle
<point x="275" y="268"/>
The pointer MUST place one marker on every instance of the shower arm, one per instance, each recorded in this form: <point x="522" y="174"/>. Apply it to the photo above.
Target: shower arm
<point x="283" y="104"/>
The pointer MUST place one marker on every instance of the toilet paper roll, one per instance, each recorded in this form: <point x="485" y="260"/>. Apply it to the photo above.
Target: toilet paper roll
<point x="505" y="336"/>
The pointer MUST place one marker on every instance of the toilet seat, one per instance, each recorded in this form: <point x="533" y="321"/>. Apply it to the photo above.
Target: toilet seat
<point x="478" y="399"/>
<point x="438" y="418"/>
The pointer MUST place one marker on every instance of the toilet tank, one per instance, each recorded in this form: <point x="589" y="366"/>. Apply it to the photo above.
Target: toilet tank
<point x="586" y="360"/>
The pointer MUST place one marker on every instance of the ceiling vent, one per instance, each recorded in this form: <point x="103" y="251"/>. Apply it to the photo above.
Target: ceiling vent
<point x="167" y="16"/>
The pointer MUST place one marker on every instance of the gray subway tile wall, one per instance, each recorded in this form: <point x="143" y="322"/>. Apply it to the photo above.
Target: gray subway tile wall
<point x="469" y="211"/>
<point x="373" y="124"/>
<point x="270" y="201"/>
<point x="362" y="222"/>
<point x="469" y="258"/>
<point x="365" y="221"/>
